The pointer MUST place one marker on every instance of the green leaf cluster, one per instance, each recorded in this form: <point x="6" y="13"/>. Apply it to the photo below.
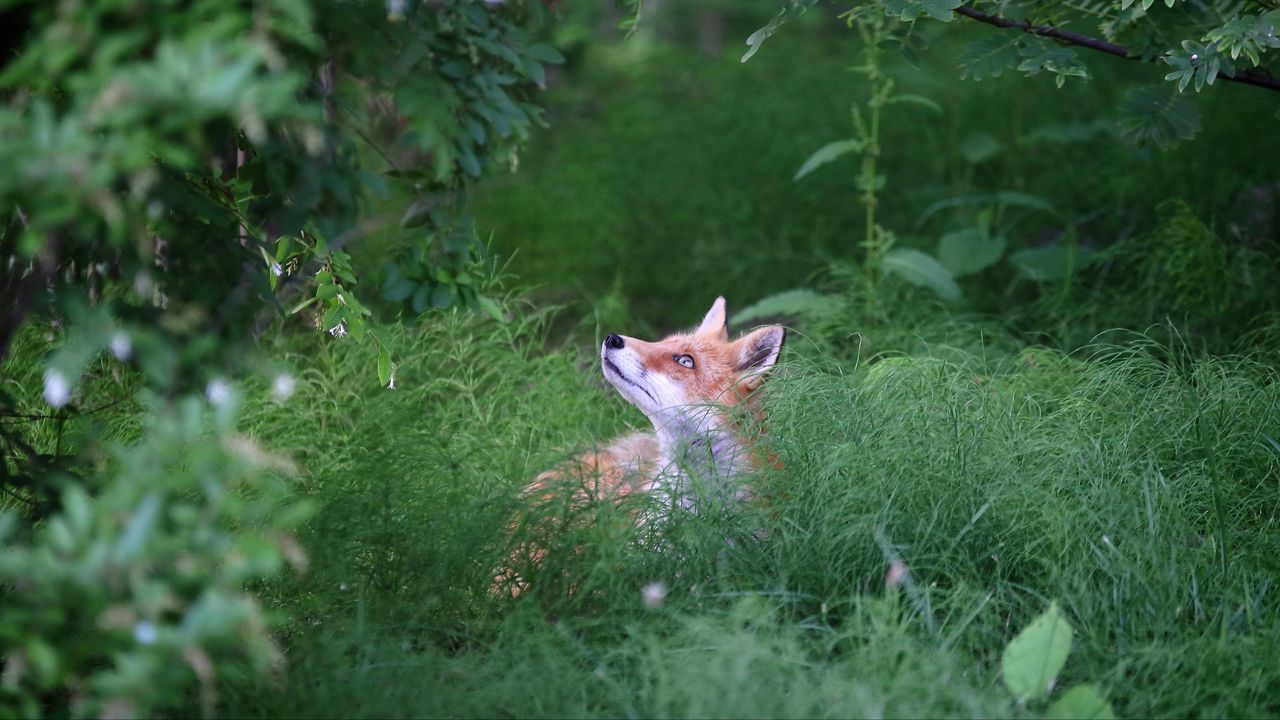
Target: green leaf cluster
<point x="1202" y="42"/>
<point x="135" y="595"/>
<point x="180" y="178"/>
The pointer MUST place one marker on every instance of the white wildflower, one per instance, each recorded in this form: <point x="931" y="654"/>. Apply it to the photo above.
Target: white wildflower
<point x="56" y="388"/>
<point x="392" y="384"/>
<point x="339" y="330"/>
<point x="121" y="345"/>
<point x="654" y="593"/>
<point x="145" y="633"/>
<point x="276" y="269"/>
<point x="283" y="386"/>
<point x="218" y="391"/>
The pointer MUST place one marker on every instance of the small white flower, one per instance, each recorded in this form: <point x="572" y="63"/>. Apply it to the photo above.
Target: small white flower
<point x="392" y="384"/>
<point x="218" y="391"/>
<point x="121" y="345"/>
<point x="339" y="330"/>
<point x="145" y="633"/>
<point x="276" y="269"/>
<point x="1194" y="57"/>
<point x="283" y="386"/>
<point x="343" y="587"/>
<point x="654" y="593"/>
<point x="56" y="388"/>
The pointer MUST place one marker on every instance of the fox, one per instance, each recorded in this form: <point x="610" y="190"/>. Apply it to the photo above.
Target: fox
<point x="693" y="387"/>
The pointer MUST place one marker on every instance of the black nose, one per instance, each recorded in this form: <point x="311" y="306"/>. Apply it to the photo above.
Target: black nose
<point x="613" y="342"/>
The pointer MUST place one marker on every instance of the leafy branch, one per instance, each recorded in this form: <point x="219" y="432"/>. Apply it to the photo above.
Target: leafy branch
<point x="1247" y="77"/>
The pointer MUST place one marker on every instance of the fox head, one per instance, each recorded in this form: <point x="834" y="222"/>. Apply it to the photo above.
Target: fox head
<point x="690" y="369"/>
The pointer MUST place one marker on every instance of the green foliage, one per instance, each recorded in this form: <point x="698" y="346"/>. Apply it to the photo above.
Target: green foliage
<point x="921" y="269"/>
<point x="1032" y="660"/>
<point x="1209" y="40"/>
<point x="964" y="252"/>
<point x="802" y="303"/>
<point x="908" y="10"/>
<point x="999" y="476"/>
<point x="1082" y="702"/>
<point x="988" y="57"/>
<point x="132" y="601"/>
<point x="1154" y="114"/>
<point x="828" y="153"/>
<point x="179" y="178"/>
<point x="791" y="9"/>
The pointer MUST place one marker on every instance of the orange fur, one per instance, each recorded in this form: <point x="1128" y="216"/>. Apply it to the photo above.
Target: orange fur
<point x="686" y="383"/>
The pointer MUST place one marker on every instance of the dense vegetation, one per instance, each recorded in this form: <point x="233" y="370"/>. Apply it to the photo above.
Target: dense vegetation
<point x="1033" y="378"/>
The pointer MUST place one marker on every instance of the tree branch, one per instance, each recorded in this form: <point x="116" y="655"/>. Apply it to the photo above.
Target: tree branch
<point x="1248" y="77"/>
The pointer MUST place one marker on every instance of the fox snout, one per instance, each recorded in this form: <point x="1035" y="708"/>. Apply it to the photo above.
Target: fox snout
<point x="614" y="342"/>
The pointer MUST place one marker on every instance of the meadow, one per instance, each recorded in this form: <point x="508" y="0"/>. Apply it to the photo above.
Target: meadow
<point x="1009" y="461"/>
<point x="1109" y="443"/>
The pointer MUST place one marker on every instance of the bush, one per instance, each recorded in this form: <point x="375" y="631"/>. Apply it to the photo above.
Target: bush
<point x="133" y="601"/>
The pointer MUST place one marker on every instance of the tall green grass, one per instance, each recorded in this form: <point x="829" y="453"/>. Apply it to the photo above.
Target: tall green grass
<point x="1134" y="485"/>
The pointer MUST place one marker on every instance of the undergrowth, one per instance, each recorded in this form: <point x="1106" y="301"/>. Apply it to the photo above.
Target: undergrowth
<point x="1134" y="484"/>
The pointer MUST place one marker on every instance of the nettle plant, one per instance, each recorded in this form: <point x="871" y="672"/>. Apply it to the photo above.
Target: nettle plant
<point x="1202" y="43"/>
<point x="180" y="177"/>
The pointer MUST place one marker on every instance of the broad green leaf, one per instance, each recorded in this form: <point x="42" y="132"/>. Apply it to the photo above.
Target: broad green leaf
<point x="544" y="53"/>
<point x="398" y="288"/>
<point x="491" y="307"/>
<point x="442" y="296"/>
<point x="801" y="303"/>
<point x="333" y="316"/>
<point x="1034" y="658"/>
<point x="421" y="298"/>
<point x="827" y="153"/>
<point x="1021" y="199"/>
<point x="1049" y="263"/>
<point x="1002" y="197"/>
<point x="979" y="147"/>
<point x="1082" y="702"/>
<point x="964" y="252"/>
<point x="384" y="366"/>
<point x="917" y="100"/>
<point x="923" y="270"/>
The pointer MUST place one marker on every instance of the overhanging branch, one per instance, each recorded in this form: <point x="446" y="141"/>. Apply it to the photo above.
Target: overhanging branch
<point x="1248" y="77"/>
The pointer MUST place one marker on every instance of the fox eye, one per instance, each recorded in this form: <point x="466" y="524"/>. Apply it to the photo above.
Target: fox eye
<point x="685" y="360"/>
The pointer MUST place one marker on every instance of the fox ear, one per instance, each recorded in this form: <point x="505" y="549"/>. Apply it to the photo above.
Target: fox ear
<point x="757" y="352"/>
<point x="714" y="322"/>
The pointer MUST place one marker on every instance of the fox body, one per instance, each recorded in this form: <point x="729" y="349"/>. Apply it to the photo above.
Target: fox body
<point x="691" y="386"/>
